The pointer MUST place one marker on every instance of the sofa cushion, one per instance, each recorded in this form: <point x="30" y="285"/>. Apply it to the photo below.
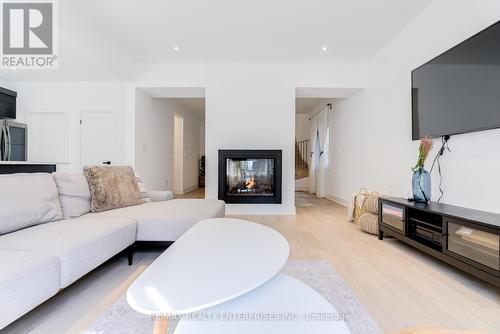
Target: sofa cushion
<point x="74" y="193"/>
<point x="27" y="279"/>
<point x="112" y="187"/>
<point x="81" y="245"/>
<point x="166" y="221"/>
<point x="27" y="200"/>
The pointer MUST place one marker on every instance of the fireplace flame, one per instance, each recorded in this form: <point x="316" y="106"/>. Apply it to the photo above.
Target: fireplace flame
<point x="250" y="183"/>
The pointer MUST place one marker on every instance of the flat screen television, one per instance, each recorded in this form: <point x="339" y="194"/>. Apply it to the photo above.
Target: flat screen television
<point x="459" y="90"/>
<point x="7" y="103"/>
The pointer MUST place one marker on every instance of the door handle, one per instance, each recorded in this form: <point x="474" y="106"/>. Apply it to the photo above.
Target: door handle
<point x="106" y="162"/>
<point x="3" y="151"/>
<point x="9" y="145"/>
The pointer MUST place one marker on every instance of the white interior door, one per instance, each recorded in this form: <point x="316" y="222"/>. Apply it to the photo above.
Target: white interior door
<point x="178" y="154"/>
<point x="97" y="138"/>
<point x="48" y="137"/>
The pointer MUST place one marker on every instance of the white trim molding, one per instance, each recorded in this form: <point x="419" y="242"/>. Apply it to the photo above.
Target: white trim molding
<point x="338" y="200"/>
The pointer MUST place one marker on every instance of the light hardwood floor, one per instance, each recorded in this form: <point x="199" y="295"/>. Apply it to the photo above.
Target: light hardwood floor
<point x="197" y="193"/>
<point x="399" y="286"/>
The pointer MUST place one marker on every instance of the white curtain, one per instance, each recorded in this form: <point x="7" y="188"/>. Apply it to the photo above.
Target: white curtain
<point x="314" y="161"/>
<point x="319" y="153"/>
<point x="323" y="160"/>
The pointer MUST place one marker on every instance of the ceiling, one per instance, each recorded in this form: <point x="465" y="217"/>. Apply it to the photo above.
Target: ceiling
<point x="244" y="30"/>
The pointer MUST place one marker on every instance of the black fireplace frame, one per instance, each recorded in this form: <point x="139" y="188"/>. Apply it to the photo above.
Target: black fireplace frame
<point x="257" y="154"/>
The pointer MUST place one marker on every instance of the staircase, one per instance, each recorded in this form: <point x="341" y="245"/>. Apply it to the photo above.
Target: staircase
<point x="301" y="153"/>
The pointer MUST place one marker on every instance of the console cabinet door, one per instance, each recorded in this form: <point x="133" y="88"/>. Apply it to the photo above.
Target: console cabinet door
<point x="474" y="244"/>
<point x="393" y="216"/>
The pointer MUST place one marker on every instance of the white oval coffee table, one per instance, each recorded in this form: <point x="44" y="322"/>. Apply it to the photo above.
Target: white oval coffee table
<point x="282" y="305"/>
<point x="213" y="262"/>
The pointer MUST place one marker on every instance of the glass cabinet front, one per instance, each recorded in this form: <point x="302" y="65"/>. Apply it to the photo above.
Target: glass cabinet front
<point x="478" y="245"/>
<point x="393" y="216"/>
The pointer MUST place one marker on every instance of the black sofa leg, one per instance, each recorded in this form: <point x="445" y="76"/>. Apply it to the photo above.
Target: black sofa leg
<point x="130" y="254"/>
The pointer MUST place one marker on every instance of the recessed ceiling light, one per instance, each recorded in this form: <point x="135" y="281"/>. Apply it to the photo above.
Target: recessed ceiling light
<point x="324" y="48"/>
<point x="176" y="48"/>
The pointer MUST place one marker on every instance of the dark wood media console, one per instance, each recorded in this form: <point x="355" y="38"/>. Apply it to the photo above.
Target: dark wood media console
<point x="464" y="238"/>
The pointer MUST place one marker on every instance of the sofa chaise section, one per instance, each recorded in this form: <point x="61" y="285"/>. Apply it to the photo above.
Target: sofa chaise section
<point x="168" y="220"/>
<point x="79" y="245"/>
<point x="27" y="279"/>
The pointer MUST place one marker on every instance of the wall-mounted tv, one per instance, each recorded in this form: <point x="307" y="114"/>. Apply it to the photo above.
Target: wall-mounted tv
<point x="7" y="103"/>
<point x="459" y="90"/>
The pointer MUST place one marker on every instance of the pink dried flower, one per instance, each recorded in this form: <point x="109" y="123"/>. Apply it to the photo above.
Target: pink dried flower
<point x="423" y="151"/>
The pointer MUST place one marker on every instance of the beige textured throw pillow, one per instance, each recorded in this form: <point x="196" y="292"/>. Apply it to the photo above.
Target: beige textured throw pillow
<point x="112" y="187"/>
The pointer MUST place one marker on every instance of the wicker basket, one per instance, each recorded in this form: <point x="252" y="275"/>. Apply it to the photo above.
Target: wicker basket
<point x="360" y="204"/>
<point x="372" y="202"/>
<point x="369" y="223"/>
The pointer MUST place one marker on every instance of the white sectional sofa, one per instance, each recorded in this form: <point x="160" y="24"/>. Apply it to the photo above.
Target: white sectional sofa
<point x="41" y="252"/>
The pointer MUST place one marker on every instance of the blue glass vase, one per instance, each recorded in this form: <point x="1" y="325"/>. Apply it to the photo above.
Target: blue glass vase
<point x="421" y="184"/>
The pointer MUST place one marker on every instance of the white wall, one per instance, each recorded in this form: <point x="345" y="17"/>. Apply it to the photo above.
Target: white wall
<point x="70" y="99"/>
<point x="371" y="131"/>
<point x="238" y="94"/>
<point x="251" y="106"/>
<point x="301" y="127"/>
<point x="154" y="140"/>
<point x="7" y="84"/>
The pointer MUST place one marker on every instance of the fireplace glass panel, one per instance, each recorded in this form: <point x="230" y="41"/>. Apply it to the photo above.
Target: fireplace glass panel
<point x="250" y="177"/>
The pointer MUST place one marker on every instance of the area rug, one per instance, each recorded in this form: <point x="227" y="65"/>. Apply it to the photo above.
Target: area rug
<point x="320" y="275"/>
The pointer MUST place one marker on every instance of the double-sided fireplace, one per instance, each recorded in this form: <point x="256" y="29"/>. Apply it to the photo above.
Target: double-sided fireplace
<point x="250" y="176"/>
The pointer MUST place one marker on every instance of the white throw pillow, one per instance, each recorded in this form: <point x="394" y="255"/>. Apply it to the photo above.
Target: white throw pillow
<point x="27" y="200"/>
<point x="74" y="193"/>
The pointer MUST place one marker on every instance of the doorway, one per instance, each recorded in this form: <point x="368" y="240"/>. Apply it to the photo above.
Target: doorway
<point x="314" y="122"/>
<point x="170" y="139"/>
<point x="312" y="145"/>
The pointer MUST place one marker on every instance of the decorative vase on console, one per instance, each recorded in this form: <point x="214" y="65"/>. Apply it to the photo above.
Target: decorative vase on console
<point x="421" y="182"/>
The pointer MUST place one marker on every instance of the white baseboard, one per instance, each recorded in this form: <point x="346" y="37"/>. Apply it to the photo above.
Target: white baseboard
<point x="189" y="189"/>
<point x="185" y="190"/>
<point x="338" y="200"/>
